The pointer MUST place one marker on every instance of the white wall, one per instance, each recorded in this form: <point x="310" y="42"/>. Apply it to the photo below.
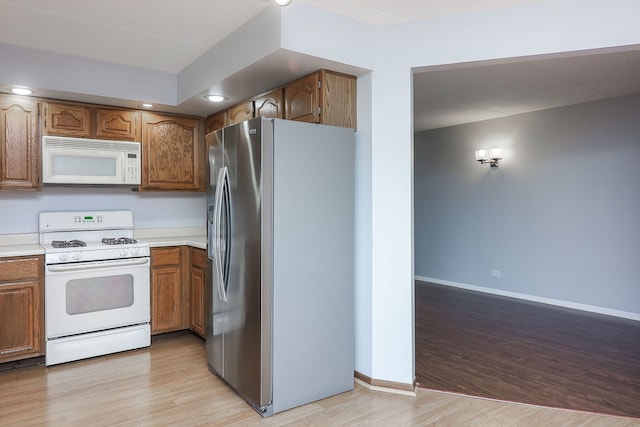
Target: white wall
<point x="546" y="27"/>
<point x="19" y="210"/>
<point x="559" y="217"/>
<point x="541" y="28"/>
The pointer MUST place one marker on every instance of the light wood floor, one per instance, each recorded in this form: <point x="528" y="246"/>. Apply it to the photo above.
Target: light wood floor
<point x="169" y="384"/>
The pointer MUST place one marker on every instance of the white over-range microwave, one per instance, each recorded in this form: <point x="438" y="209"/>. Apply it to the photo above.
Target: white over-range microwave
<point x="90" y="161"/>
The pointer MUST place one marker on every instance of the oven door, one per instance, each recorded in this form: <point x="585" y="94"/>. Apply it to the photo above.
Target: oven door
<point x="94" y="296"/>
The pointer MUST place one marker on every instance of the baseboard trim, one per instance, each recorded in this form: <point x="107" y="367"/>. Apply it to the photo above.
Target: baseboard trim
<point x="385" y="386"/>
<point x="527" y="297"/>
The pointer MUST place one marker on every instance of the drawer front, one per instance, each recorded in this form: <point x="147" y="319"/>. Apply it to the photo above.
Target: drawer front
<point x="165" y="256"/>
<point x="12" y="269"/>
<point x="199" y="257"/>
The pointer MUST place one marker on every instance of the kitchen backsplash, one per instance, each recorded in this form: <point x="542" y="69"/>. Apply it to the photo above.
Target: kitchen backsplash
<point x="19" y="210"/>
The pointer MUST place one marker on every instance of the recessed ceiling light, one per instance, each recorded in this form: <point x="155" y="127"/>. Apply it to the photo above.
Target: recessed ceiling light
<point x="215" y="98"/>
<point x="146" y="105"/>
<point x="283" y="2"/>
<point x="21" y="90"/>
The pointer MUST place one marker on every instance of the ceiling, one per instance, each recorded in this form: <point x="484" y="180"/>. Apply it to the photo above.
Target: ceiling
<point x="169" y="35"/>
<point x="474" y="92"/>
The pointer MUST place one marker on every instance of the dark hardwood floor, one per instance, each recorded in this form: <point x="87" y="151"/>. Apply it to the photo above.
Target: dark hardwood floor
<point x="503" y="348"/>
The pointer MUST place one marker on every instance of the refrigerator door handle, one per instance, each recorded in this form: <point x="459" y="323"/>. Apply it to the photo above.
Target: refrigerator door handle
<point x="224" y="232"/>
<point x="216" y="227"/>
<point x="226" y="205"/>
<point x="210" y="228"/>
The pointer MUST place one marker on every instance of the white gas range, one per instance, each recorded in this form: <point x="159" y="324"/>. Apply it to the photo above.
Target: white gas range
<point x="96" y="284"/>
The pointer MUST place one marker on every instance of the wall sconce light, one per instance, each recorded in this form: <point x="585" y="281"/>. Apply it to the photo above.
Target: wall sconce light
<point x="490" y="156"/>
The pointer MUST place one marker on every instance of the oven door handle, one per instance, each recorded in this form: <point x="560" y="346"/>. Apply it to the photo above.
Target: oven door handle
<point x="100" y="264"/>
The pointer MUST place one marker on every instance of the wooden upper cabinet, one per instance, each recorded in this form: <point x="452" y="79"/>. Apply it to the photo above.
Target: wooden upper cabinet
<point x="240" y="113"/>
<point x="89" y="121"/>
<point x="338" y="99"/>
<point x="67" y="120"/>
<point x="19" y="143"/>
<point x="216" y="121"/>
<point x="323" y="97"/>
<point x="123" y="125"/>
<point x="172" y="153"/>
<point x="269" y="105"/>
<point x="302" y="99"/>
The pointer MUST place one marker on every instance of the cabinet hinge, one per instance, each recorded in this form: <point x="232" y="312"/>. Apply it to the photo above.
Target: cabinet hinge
<point x="319" y="84"/>
<point x="319" y="111"/>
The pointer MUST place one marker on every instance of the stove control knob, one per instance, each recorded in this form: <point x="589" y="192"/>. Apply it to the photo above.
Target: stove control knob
<point x="76" y="256"/>
<point x="135" y="251"/>
<point x="123" y="252"/>
<point x="64" y="256"/>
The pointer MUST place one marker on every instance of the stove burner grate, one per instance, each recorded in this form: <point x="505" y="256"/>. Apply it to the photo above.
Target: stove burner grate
<point x="118" y="241"/>
<point x="67" y="243"/>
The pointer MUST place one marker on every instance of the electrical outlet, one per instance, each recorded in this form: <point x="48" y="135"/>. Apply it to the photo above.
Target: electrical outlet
<point x="496" y="273"/>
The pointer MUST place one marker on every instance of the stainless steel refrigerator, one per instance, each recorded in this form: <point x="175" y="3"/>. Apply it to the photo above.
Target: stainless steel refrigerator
<point x="280" y="226"/>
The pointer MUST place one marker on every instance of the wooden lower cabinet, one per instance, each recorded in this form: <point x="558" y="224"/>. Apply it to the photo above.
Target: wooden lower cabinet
<point x="198" y="279"/>
<point x="169" y="307"/>
<point x="21" y="308"/>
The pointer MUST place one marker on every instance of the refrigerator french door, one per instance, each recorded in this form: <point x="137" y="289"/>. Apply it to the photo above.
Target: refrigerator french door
<point x="280" y="214"/>
<point x="236" y="351"/>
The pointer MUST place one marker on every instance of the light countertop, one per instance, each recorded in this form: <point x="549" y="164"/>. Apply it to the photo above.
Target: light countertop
<point x="20" y="250"/>
<point x="20" y="245"/>
<point x="173" y="236"/>
<point x="195" y="241"/>
<point x="28" y="244"/>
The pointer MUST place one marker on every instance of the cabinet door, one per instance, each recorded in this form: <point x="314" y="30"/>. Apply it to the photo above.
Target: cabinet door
<point x="21" y="308"/>
<point x="338" y="99"/>
<point x="198" y="279"/>
<point x="172" y="153"/>
<point x="123" y="125"/>
<point x="19" y="144"/>
<point x="67" y="120"/>
<point x="240" y="113"/>
<point x="166" y="295"/>
<point x="20" y="322"/>
<point x="216" y="121"/>
<point x="302" y="99"/>
<point x="270" y="105"/>
<point x="167" y="302"/>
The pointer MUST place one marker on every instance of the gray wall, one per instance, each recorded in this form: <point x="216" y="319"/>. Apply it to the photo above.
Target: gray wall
<point x="560" y="217"/>
<point x="19" y="209"/>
